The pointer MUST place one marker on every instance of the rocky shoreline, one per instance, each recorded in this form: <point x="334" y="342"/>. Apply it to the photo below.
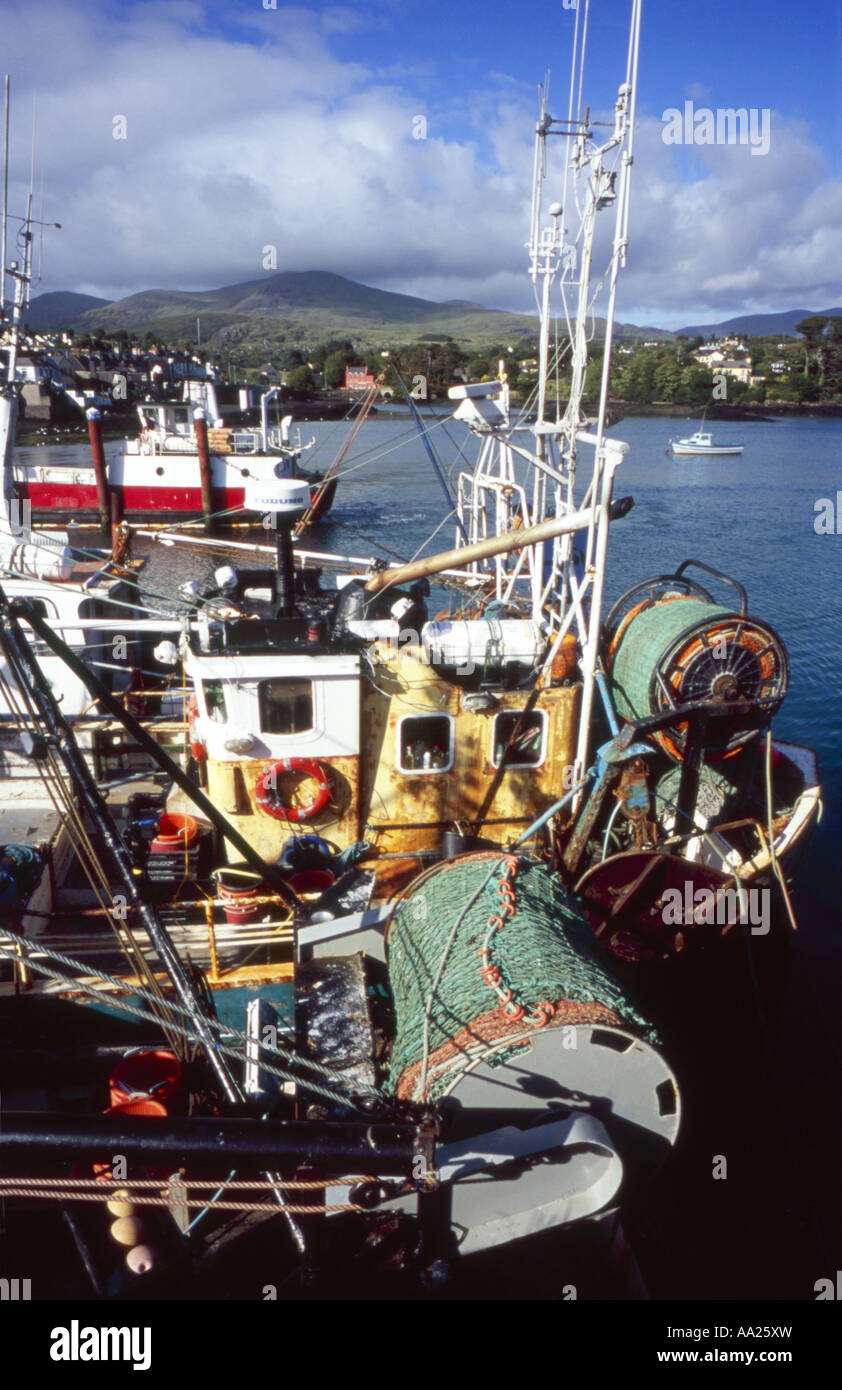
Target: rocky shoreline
<point x="722" y="411"/>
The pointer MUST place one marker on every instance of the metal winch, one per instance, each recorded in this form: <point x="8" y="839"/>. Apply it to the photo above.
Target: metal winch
<point x="668" y="644"/>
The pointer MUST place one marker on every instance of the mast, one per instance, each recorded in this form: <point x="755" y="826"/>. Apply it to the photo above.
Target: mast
<point x="5" y="198"/>
<point x="607" y="460"/>
<point x="21" y="273"/>
<point x="559" y="583"/>
<point x="8" y="387"/>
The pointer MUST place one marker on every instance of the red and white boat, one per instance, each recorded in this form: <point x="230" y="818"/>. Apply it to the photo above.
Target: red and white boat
<point x="157" y="475"/>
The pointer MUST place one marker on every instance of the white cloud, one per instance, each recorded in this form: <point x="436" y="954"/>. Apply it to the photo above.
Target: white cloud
<point x="716" y="231"/>
<point x="269" y="138"/>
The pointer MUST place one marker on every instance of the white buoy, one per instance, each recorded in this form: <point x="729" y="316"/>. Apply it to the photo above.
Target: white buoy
<point x="141" y="1259"/>
<point x="225" y="577"/>
<point x="166" y="653"/>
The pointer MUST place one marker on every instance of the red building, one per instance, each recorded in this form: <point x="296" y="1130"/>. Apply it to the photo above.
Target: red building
<point x="358" y="379"/>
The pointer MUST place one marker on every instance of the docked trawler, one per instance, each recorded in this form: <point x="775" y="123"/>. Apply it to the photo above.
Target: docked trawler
<point x="177" y="468"/>
<point x="371" y="951"/>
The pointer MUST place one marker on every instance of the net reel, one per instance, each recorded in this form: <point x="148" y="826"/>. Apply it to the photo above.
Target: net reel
<point x="667" y="644"/>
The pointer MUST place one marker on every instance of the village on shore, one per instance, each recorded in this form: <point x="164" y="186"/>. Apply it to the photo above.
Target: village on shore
<point x="63" y="373"/>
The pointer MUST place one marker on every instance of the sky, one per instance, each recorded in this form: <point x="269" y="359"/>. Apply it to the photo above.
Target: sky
<point x="248" y="127"/>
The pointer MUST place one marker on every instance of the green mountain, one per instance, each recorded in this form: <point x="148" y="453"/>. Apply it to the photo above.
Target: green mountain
<point x="759" y="325"/>
<point x="59" y="309"/>
<point x="301" y="307"/>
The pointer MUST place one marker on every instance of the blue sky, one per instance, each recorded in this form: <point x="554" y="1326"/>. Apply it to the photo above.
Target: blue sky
<point x="292" y="128"/>
<point x="765" y="53"/>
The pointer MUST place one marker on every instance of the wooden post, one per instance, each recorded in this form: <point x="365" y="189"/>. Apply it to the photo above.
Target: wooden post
<point x="100" y="472"/>
<point x="201" y="428"/>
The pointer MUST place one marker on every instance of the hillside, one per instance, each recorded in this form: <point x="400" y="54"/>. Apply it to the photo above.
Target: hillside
<point x="759" y="325"/>
<point x="59" y="309"/>
<point x="306" y="307"/>
<point x="303" y="308"/>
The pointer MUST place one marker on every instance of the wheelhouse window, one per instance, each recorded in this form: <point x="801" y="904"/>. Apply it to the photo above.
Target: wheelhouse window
<point x="518" y="739"/>
<point x="286" y="706"/>
<point x="425" y="743"/>
<point x="215" y="701"/>
<point x="94" y="609"/>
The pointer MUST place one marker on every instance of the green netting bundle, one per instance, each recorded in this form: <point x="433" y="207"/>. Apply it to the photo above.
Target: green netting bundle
<point x="465" y="986"/>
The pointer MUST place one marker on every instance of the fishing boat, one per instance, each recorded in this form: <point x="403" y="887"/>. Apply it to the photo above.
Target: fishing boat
<point x="383" y="938"/>
<point x="175" y="469"/>
<point x="701" y="443"/>
<point x="92" y="598"/>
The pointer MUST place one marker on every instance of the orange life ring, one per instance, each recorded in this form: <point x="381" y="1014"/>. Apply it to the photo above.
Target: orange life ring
<point x="267" y="785"/>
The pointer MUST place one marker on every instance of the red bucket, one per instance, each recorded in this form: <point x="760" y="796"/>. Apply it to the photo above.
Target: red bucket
<point x="312" y="880"/>
<point x="237" y="892"/>
<point x="174" y="832"/>
<point x="155" y="1075"/>
<point x="141" y="1105"/>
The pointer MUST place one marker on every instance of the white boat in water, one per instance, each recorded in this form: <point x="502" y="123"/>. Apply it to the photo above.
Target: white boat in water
<point x="702" y="443"/>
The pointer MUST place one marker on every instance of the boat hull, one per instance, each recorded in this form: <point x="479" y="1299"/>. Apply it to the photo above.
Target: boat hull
<point x="141" y="502"/>
<point x="717" y="451"/>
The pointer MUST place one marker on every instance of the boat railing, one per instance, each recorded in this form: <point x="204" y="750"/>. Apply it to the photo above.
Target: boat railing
<point x="245" y="442"/>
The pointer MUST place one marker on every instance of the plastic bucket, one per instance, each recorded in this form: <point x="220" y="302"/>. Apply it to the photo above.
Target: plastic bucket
<point x="140" y="1105"/>
<point x="174" y="832"/>
<point x="237" y="891"/>
<point x="312" y="880"/>
<point x="152" y="1075"/>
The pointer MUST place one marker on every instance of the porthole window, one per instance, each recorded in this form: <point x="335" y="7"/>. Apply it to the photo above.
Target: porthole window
<point x="425" y="743"/>
<point x="518" y="739"/>
<point x="286" y="706"/>
<point x="215" y="701"/>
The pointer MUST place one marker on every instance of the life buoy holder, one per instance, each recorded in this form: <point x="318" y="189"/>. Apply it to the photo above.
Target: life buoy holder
<point x="265" y="792"/>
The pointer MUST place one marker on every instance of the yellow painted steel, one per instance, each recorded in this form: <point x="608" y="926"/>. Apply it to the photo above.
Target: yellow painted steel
<point x="403" y="813"/>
